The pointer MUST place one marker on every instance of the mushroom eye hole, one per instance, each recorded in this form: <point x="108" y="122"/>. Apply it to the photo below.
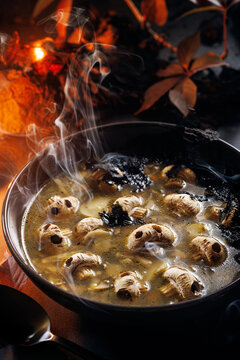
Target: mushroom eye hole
<point x="55" y="239"/>
<point x="124" y="293"/>
<point x="157" y="228"/>
<point x="54" y="211"/>
<point x="195" y="287"/>
<point x="68" y="203"/>
<point x="69" y="261"/>
<point x="138" y="234"/>
<point x="216" y="247"/>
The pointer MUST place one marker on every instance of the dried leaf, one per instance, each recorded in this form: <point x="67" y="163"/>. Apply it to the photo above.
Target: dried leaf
<point x="40" y="6"/>
<point x="201" y="9"/>
<point x="155" y="11"/>
<point x="156" y="91"/>
<point x="184" y="95"/>
<point x="189" y="90"/>
<point x="187" y="49"/>
<point x="205" y="61"/>
<point x="171" y="70"/>
<point x="177" y="99"/>
<point x="62" y="17"/>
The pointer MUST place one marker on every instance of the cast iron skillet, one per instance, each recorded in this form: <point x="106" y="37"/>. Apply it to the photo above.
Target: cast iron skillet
<point x="141" y="138"/>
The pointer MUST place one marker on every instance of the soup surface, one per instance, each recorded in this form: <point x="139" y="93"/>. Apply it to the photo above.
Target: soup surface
<point x="150" y="239"/>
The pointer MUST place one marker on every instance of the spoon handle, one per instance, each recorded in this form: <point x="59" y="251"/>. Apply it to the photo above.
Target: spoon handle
<point x="74" y="348"/>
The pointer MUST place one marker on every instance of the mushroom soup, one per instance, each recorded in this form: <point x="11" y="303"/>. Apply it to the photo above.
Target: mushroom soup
<point x="132" y="232"/>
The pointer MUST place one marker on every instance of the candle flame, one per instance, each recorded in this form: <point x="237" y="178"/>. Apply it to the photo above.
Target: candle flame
<point x="39" y="53"/>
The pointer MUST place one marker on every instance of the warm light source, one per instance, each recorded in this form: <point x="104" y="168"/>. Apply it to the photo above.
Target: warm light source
<point x="39" y="53"/>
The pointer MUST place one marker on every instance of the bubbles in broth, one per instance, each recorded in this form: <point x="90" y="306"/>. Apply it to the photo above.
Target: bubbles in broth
<point x="136" y="233"/>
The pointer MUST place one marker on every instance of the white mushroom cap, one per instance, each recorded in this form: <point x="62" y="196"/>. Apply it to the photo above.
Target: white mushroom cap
<point x="53" y="239"/>
<point x="208" y="249"/>
<point x="59" y="207"/>
<point x="181" y="283"/>
<point x="84" y="226"/>
<point x="127" y="285"/>
<point x="181" y="205"/>
<point x="184" y="174"/>
<point x="81" y="260"/>
<point x="159" y="234"/>
<point x="127" y="203"/>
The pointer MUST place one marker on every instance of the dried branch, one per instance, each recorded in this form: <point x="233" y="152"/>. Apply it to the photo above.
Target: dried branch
<point x="142" y="21"/>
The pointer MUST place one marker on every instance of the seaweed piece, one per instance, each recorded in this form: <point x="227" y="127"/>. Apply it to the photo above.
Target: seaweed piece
<point x="231" y="235"/>
<point x="237" y="258"/>
<point x="118" y="217"/>
<point x="193" y="196"/>
<point x="121" y="170"/>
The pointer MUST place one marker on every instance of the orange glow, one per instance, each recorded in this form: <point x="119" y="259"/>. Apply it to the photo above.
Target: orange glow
<point x="39" y="53"/>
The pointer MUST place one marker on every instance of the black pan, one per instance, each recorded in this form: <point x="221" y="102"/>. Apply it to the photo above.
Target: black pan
<point x="141" y="138"/>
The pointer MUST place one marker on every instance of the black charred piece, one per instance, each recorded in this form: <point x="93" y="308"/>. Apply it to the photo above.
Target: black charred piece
<point x="121" y="170"/>
<point x="118" y="217"/>
<point x="232" y="235"/>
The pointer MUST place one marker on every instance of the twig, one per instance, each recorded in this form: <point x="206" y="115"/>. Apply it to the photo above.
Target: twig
<point x="159" y="38"/>
<point x="141" y="19"/>
<point x="225" y="52"/>
<point x="135" y="12"/>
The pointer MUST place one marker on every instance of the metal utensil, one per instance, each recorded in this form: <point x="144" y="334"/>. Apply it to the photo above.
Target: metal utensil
<point x="25" y="322"/>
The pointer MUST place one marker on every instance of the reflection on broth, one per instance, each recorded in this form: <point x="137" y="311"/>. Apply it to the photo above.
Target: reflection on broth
<point x="149" y="235"/>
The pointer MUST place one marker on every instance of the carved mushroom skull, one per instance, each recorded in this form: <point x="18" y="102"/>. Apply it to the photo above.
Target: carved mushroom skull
<point x="159" y="234"/>
<point x="127" y="285"/>
<point x="223" y="214"/>
<point x="208" y="249"/>
<point x="80" y="261"/>
<point x="59" y="207"/>
<point x="182" y="284"/>
<point x="52" y="239"/>
<point x="183" y="173"/>
<point x="182" y="205"/>
<point x="84" y="226"/>
<point x="128" y="203"/>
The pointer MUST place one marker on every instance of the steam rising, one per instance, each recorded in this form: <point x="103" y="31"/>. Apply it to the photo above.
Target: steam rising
<point x="4" y="38"/>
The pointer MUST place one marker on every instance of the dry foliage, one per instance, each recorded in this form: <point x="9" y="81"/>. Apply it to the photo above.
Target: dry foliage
<point x="215" y="5"/>
<point x="176" y="78"/>
<point x="155" y="11"/>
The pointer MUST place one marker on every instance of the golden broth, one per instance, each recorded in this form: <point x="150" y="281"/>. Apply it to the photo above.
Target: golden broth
<point x="115" y="257"/>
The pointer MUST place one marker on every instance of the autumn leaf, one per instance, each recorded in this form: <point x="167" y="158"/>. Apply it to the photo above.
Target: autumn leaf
<point x="189" y="90"/>
<point x="184" y="95"/>
<point x="177" y="99"/>
<point x="171" y="70"/>
<point x="176" y="77"/>
<point x="62" y="17"/>
<point x="187" y="49"/>
<point x="156" y="91"/>
<point x="155" y="11"/>
<point x="205" y="61"/>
